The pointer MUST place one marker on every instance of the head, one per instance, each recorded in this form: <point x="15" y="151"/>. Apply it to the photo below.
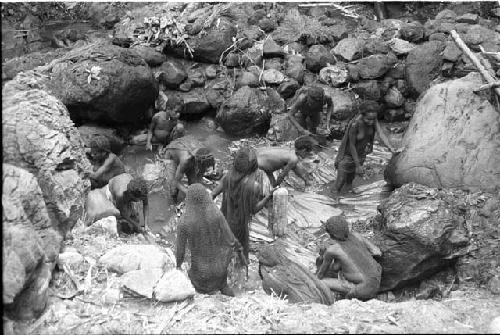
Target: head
<point x="337" y="227"/>
<point x="99" y="148"/>
<point x="137" y="189"/>
<point x="305" y="146"/>
<point x="369" y="111"/>
<point x="245" y="161"/>
<point x="197" y="194"/>
<point x="315" y="93"/>
<point x="204" y="159"/>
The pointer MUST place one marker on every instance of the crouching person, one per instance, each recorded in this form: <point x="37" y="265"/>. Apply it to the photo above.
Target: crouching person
<point x="123" y="190"/>
<point x="346" y="265"/>
<point x="210" y="240"/>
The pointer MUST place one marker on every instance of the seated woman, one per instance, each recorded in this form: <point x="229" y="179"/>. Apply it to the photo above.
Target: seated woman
<point x="109" y="164"/>
<point x="123" y="190"/>
<point x="356" y="144"/>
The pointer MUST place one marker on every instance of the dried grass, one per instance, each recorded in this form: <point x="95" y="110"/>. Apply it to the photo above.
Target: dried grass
<point x="296" y="26"/>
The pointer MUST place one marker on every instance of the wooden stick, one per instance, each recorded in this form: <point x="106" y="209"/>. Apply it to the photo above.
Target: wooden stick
<point x="486" y="75"/>
<point x="487" y="86"/>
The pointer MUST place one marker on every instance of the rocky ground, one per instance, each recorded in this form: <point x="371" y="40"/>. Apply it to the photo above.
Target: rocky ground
<point x="236" y="67"/>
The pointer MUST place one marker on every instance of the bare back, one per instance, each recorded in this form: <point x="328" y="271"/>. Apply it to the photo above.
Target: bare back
<point x="118" y="185"/>
<point x="271" y="159"/>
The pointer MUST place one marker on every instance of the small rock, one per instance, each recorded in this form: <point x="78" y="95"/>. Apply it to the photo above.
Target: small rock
<point x="367" y="89"/>
<point x="446" y="15"/>
<point x="267" y="24"/>
<point x="232" y="60"/>
<point x="438" y="37"/>
<point x="334" y="74"/>
<point x="412" y="32"/>
<point x="173" y="286"/>
<point x="129" y="257"/>
<point x="247" y="79"/>
<point x="211" y="72"/>
<point x="173" y="74"/>
<point x="111" y="296"/>
<point x="273" y="63"/>
<point x="451" y="52"/>
<point x="107" y="225"/>
<point x="494" y="327"/>
<point x="401" y="47"/>
<point x="70" y="259"/>
<point x="394" y="98"/>
<point x="317" y="57"/>
<point x="349" y="48"/>
<point x="288" y="88"/>
<point x="272" y="49"/>
<point x="141" y="282"/>
<point x="494" y="285"/>
<point x="273" y="77"/>
<point x="468" y="18"/>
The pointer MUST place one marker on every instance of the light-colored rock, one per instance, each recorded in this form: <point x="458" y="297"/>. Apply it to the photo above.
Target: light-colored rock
<point x="451" y="52"/>
<point x="494" y="326"/>
<point x="393" y="98"/>
<point x="349" y="49"/>
<point x="99" y="206"/>
<point x="140" y="283"/>
<point x="452" y="140"/>
<point x="401" y="47"/>
<point x="174" y="285"/>
<point x="127" y="258"/>
<point x="334" y="74"/>
<point x="273" y="77"/>
<point x="106" y="225"/>
<point x="70" y="259"/>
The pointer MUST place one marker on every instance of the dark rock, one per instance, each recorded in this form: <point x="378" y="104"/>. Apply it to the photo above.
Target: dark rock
<point x="196" y="77"/>
<point x="252" y="56"/>
<point x="219" y="84"/>
<point x="414" y="246"/>
<point x="207" y="48"/>
<point x="287" y="89"/>
<point x="451" y="52"/>
<point x="468" y="18"/>
<point x="193" y="28"/>
<point x="375" y="46"/>
<point x="349" y="49"/>
<point x="257" y="16"/>
<point x="150" y="55"/>
<point x="249" y="110"/>
<point x="267" y="24"/>
<point x="318" y="57"/>
<point x="397" y="71"/>
<point x="174" y="73"/>
<point x="232" y="60"/>
<point x="28" y="62"/>
<point x="438" y="37"/>
<point x="446" y="15"/>
<point x="309" y="78"/>
<point x="374" y="66"/>
<point x="282" y="129"/>
<point x="410" y="107"/>
<point x="273" y="63"/>
<point x="344" y="102"/>
<point x="401" y="86"/>
<point x="284" y="277"/>
<point x="386" y="84"/>
<point x="194" y="102"/>
<point x="412" y="32"/>
<point x="400" y="47"/>
<point x="185" y="86"/>
<point x="125" y="90"/>
<point x="272" y="49"/>
<point x="423" y="64"/>
<point x="394" y="114"/>
<point x="247" y="79"/>
<point x="367" y="89"/>
<point x="465" y="155"/>
<point x="478" y="34"/>
<point x="338" y="31"/>
<point x="214" y="98"/>
<point x="89" y="131"/>
<point x="295" y="67"/>
<point x="250" y="35"/>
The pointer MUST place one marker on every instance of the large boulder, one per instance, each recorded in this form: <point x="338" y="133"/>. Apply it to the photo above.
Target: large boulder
<point x="30" y="245"/>
<point x="423" y="65"/>
<point x="194" y="102"/>
<point x="317" y="57"/>
<point x="343" y="102"/>
<point x="249" y="111"/>
<point x="150" y="55"/>
<point x="420" y="232"/>
<point x="371" y="67"/>
<point x="90" y="131"/>
<point x="39" y="136"/>
<point x="282" y="129"/>
<point x="28" y="62"/>
<point x="174" y="73"/>
<point x="209" y="47"/>
<point x="120" y="91"/>
<point x="452" y="140"/>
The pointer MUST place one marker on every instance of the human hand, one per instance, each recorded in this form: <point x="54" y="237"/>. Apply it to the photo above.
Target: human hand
<point x="149" y="146"/>
<point x="360" y="170"/>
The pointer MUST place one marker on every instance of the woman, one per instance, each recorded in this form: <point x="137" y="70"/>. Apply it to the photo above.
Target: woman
<point x="109" y="164"/>
<point x="246" y="191"/>
<point x="356" y="144"/>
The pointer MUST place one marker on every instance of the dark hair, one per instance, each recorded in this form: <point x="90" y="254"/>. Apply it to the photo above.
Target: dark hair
<point x="315" y="92"/>
<point x="305" y="142"/>
<point x="138" y="188"/>
<point x="369" y="106"/>
<point x="337" y="227"/>
<point x="203" y="158"/>
<point x="100" y="143"/>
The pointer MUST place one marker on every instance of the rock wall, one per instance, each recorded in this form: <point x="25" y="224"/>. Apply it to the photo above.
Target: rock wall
<point x="453" y="140"/>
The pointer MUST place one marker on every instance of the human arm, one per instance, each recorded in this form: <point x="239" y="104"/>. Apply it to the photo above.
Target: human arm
<point x="179" y="173"/>
<point x="145" y="211"/>
<point x="219" y="188"/>
<point x="284" y="172"/>
<point x="329" y="106"/>
<point x="105" y="167"/>
<point x="352" y="147"/>
<point x="293" y="110"/>
<point x="383" y="136"/>
<point x="150" y="132"/>
<point x="328" y="259"/>
<point x="372" y="248"/>
<point x="180" y="245"/>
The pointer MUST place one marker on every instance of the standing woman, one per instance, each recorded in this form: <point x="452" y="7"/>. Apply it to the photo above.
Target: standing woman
<point x="246" y="191"/>
<point x="356" y="144"/>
